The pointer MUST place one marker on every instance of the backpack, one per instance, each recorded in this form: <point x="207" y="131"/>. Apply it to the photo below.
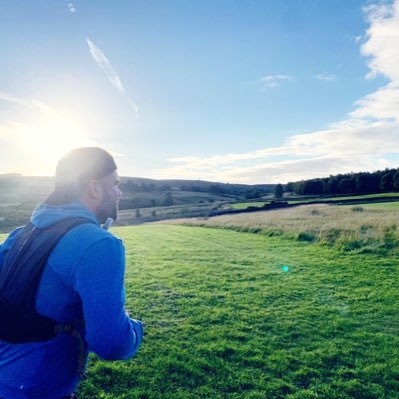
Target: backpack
<point x="20" y="277"/>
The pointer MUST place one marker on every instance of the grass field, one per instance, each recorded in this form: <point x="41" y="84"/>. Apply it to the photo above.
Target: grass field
<point x="366" y="196"/>
<point x="339" y="198"/>
<point x="225" y="320"/>
<point x="365" y="228"/>
<point x="382" y="205"/>
<point x="235" y="315"/>
<point x="244" y="205"/>
<point x="310" y="199"/>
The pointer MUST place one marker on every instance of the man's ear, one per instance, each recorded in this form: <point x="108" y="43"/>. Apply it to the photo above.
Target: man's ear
<point x="94" y="189"/>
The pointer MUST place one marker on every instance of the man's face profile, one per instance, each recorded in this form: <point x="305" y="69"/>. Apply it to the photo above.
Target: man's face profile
<point x="111" y="194"/>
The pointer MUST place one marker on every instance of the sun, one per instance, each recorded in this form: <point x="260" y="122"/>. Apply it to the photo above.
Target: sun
<point x="47" y="142"/>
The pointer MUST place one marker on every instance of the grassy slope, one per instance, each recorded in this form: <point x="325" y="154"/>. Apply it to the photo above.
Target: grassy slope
<point x="343" y="197"/>
<point x="244" y="205"/>
<point x="223" y="320"/>
<point x="290" y="200"/>
<point x="384" y="205"/>
<point x="371" y="228"/>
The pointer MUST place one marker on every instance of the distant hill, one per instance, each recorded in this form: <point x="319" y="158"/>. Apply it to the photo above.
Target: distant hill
<point x="179" y="183"/>
<point x="20" y="194"/>
<point x="138" y="192"/>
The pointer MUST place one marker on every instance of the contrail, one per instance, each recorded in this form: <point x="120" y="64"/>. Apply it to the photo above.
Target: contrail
<point x="103" y="62"/>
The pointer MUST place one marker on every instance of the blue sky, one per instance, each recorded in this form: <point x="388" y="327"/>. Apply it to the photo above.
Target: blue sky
<point x="255" y="91"/>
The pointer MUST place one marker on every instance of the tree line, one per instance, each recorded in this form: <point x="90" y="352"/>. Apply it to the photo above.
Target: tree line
<point x="381" y="181"/>
<point x="245" y="191"/>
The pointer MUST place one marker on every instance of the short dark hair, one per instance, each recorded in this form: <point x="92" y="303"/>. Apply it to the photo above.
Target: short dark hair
<point x="75" y="169"/>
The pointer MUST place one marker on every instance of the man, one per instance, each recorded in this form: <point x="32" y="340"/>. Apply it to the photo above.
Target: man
<point x="82" y="282"/>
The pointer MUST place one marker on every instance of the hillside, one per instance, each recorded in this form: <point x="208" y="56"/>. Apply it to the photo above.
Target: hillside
<point x="20" y="194"/>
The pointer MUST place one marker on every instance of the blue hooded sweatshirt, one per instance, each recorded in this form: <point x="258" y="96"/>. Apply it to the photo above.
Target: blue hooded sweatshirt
<point x="83" y="279"/>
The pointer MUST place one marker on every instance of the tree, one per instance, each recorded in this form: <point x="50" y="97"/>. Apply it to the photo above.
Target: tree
<point x="138" y="213"/>
<point x="312" y="187"/>
<point x="362" y="183"/>
<point x="278" y="191"/>
<point x="255" y="193"/>
<point x="168" y="200"/>
<point x="387" y="182"/>
<point x="396" y="181"/>
<point x="289" y="187"/>
<point x="331" y="185"/>
<point x="345" y="185"/>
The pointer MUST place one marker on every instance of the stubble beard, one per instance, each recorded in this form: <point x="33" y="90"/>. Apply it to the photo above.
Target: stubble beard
<point x="108" y="209"/>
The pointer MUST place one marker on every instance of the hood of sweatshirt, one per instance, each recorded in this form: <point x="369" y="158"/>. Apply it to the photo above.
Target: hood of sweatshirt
<point x="46" y="215"/>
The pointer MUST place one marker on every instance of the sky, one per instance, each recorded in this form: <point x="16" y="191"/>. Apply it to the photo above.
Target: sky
<point x="254" y="91"/>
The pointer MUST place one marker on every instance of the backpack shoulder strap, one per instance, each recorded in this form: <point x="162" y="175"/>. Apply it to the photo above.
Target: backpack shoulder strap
<point x="20" y="278"/>
<point x="25" y="261"/>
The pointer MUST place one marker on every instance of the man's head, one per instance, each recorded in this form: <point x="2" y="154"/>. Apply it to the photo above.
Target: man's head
<point x="88" y="174"/>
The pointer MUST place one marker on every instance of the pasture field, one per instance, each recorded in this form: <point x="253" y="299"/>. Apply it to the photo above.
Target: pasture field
<point x="371" y="228"/>
<point x="342" y="197"/>
<point x="366" y="196"/>
<point x="244" y="205"/>
<point x="237" y="315"/>
<point x="129" y="216"/>
<point x="311" y="199"/>
<point x="382" y="205"/>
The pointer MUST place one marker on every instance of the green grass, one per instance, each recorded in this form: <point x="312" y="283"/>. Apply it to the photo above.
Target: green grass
<point x="348" y="228"/>
<point x="381" y="205"/>
<point x="244" y="205"/>
<point x="128" y="216"/>
<point x="366" y="196"/>
<point x="340" y="198"/>
<point x="223" y="320"/>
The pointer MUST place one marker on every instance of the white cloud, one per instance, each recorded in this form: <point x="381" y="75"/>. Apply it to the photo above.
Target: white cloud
<point x="103" y="62"/>
<point x="71" y="8"/>
<point x="280" y="172"/>
<point x="382" y="41"/>
<point x="286" y="171"/>
<point x="359" y="148"/>
<point x="382" y="51"/>
<point x="27" y="102"/>
<point x="325" y="76"/>
<point x="381" y="105"/>
<point x="272" y="81"/>
<point x="367" y="140"/>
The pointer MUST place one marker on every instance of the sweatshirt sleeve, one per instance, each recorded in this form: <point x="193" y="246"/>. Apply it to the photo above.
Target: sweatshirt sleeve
<point x="99" y="280"/>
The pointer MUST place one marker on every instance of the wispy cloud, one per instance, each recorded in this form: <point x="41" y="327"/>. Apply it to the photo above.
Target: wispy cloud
<point x="103" y="62"/>
<point x="27" y="102"/>
<point x="273" y="81"/>
<point x="71" y="8"/>
<point x="367" y="140"/>
<point x="358" y="39"/>
<point x="329" y="77"/>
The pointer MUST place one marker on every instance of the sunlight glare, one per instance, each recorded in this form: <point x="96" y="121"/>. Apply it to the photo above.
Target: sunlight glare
<point x="48" y="142"/>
